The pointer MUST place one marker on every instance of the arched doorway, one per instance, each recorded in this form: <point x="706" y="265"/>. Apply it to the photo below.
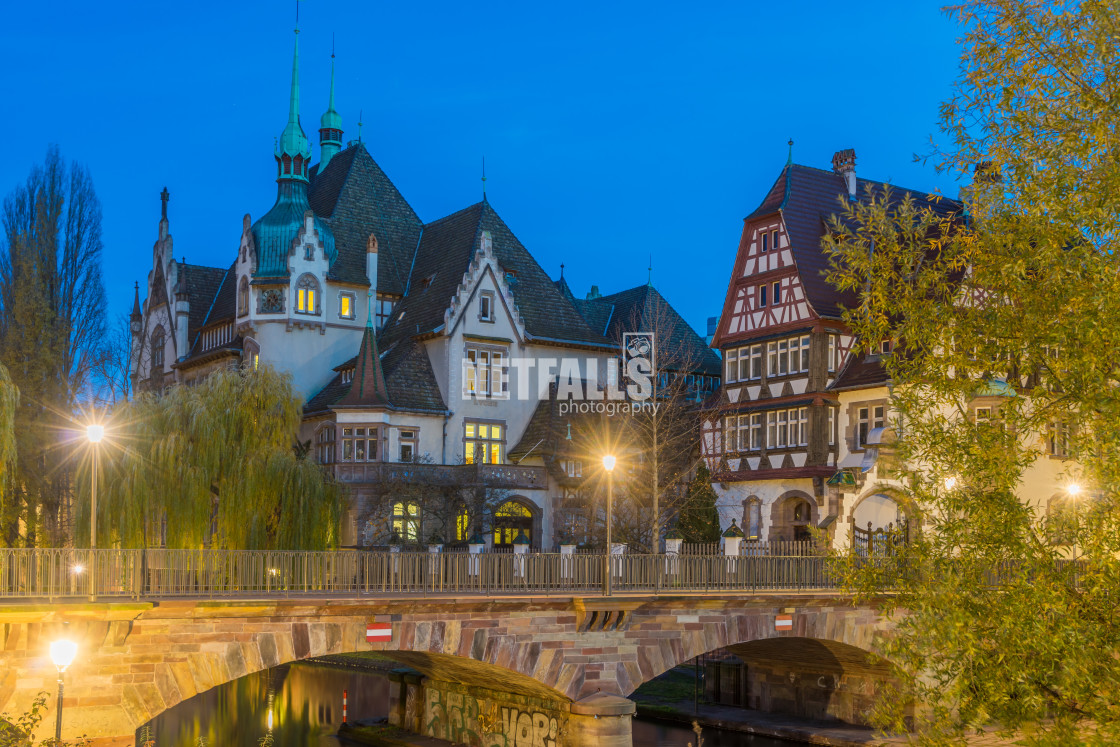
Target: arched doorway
<point x="512" y="519"/>
<point x="878" y="523"/>
<point x="792" y="516"/>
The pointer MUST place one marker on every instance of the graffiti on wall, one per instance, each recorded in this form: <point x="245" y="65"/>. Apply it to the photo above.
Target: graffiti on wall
<point x="464" y="719"/>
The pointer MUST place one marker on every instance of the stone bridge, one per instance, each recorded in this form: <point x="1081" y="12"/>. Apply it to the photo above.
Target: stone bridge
<point x="583" y="655"/>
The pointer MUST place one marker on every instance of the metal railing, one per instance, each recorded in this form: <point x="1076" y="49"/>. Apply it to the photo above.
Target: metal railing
<point x="50" y="574"/>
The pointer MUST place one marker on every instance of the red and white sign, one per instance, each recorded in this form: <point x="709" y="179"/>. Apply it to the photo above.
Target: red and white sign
<point x="783" y="622"/>
<point x="379" y="632"/>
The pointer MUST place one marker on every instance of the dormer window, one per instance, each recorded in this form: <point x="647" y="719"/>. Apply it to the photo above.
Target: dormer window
<point x="307" y="295"/>
<point x="486" y="306"/>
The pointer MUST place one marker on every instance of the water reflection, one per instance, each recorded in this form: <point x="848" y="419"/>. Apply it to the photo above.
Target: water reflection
<point x="298" y="705"/>
<point x="665" y="734"/>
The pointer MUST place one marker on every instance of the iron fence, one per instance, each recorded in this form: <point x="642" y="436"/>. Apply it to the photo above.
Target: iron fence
<point x="49" y="574"/>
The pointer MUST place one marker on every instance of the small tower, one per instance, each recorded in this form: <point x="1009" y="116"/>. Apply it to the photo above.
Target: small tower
<point x="330" y="128"/>
<point x="293" y="150"/>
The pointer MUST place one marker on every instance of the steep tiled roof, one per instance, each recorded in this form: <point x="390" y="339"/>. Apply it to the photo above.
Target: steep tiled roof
<point x="358" y="199"/>
<point x="861" y="371"/>
<point x="643" y="309"/>
<point x="446" y="250"/>
<point x="806" y="198"/>
<point x="409" y="380"/>
<point x="368" y="386"/>
<point x="202" y="284"/>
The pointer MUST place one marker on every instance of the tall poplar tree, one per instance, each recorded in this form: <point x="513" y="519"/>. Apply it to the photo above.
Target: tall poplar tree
<point x="1017" y="298"/>
<point x="51" y="322"/>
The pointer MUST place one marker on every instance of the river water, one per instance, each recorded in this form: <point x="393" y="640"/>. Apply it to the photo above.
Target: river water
<point x="300" y="705"/>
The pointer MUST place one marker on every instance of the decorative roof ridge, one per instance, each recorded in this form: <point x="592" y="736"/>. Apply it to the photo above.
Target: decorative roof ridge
<point x="482" y="255"/>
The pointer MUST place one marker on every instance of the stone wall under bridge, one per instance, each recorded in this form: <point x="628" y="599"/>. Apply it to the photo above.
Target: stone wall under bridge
<point x="136" y="660"/>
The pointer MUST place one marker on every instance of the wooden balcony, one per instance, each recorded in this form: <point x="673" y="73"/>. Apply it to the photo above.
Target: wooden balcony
<point x="484" y="475"/>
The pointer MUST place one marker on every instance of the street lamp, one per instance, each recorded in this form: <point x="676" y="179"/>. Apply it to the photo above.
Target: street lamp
<point x="62" y="654"/>
<point x="608" y="465"/>
<point x="1073" y="489"/>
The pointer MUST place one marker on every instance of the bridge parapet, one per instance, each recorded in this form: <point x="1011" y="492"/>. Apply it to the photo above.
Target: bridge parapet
<point x="52" y="574"/>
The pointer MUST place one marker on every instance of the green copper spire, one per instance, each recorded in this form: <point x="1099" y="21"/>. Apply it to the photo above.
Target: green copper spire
<point x="294" y="149"/>
<point x="330" y="127"/>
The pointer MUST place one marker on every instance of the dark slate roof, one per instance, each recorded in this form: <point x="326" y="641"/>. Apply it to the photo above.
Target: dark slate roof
<point x="644" y="309"/>
<point x="368" y="387"/>
<point x="409" y="379"/>
<point x="806" y="198"/>
<point x="219" y="306"/>
<point x="358" y="199"/>
<point x="861" y="371"/>
<point x="446" y="250"/>
<point x="202" y="284"/>
<point x="546" y="433"/>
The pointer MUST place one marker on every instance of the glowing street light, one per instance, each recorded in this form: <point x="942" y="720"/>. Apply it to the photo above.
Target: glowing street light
<point x="95" y="432"/>
<point x="950" y="482"/>
<point x="608" y="465"/>
<point x="1073" y="489"/>
<point x="63" y="652"/>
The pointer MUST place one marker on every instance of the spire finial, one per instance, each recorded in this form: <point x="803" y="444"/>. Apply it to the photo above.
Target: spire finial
<point x="369" y="309"/>
<point x="649" y="278"/>
<point x="789" y="159"/>
<point x="359" y="125"/>
<point x="561" y="270"/>
<point x="484" y="178"/>
<point x="164" y="196"/>
<point x="297" y="16"/>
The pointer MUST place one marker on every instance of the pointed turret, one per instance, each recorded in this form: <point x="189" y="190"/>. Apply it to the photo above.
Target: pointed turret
<point x="136" y="317"/>
<point x="368" y="386"/>
<point x="293" y="150"/>
<point x="330" y="129"/>
<point x="274" y="232"/>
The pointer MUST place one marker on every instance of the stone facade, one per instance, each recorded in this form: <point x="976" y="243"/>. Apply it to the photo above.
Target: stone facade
<point x="136" y="660"/>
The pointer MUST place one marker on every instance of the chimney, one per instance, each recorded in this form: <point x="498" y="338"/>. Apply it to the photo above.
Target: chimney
<point x="371" y="263"/>
<point x="844" y="164"/>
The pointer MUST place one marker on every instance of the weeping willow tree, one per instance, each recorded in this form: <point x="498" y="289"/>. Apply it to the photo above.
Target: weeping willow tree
<point x="1013" y="304"/>
<point x="9" y="402"/>
<point x="216" y="465"/>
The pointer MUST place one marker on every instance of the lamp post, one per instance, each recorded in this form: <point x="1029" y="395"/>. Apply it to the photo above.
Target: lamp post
<point x="608" y="465"/>
<point x="62" y="654"/>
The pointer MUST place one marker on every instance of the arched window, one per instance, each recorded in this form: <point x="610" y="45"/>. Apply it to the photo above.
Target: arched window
<point x="512" y="519"/>
<point x="252" y="355"/>
<point x="307" y="295"/>
<point x="406" y="521"/>
<point x="243" y="297"/>
<point x="325" y="445"/>
<point x="752" y="519"/>
<point x="157" y="348"/>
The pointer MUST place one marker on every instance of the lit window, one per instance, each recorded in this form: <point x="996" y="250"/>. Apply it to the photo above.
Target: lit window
<point x="483" y="443"/>
<point x="512" y="520"/>
<point x="462" y="525"/>
<point x="346" y="306"/>
<point x="406" y="521"/>
<point x="307" y="291"/>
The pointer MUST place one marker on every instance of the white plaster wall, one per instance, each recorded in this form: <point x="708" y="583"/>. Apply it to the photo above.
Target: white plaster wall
<point x="729" y="499"/>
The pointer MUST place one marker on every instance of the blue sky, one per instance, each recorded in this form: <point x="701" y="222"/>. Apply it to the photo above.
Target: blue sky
<point x="611" y="131"/>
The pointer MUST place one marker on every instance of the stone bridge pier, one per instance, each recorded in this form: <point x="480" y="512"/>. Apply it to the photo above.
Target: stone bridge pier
<point x="498" y="671"/>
